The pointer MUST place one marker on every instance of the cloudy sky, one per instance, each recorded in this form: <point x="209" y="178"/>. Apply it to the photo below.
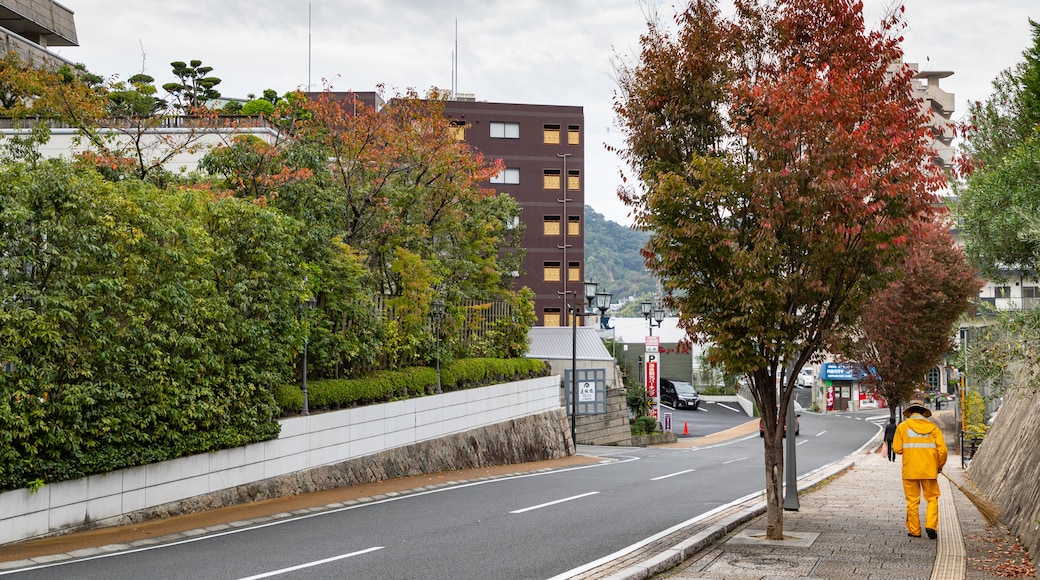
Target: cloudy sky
<point x="559" y="52"/>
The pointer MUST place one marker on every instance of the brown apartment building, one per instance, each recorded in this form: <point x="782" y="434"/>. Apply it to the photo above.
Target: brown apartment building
<point x="543" y="149"/>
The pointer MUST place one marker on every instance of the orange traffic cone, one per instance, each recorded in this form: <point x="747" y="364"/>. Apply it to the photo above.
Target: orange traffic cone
<point x="685" y="430"/>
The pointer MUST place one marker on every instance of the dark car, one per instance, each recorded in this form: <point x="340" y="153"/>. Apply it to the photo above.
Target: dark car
<point x="797" y="426"/>
<point x="679" y="395"/>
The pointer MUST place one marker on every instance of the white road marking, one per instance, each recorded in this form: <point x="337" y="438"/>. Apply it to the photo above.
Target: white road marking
<point x="800" y="442"/>
<point x="730" y="408"/>
<point x="672" y="474"/>
<point x="311" y="564"/>
<point x="821" y="432"/>
<point x="566" y="499"/>
<point x="734" y="460"/>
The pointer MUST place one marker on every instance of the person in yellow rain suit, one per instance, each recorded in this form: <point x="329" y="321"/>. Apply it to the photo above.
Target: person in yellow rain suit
<point x="921" y="444"/>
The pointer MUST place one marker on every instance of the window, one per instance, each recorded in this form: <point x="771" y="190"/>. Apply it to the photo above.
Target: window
<point x="574" y="226"/>
<point x="508" y="175"/>
<point x="551" y="317"/>
<point x="551" y="179"/>
<point x="1030" y="297"/>
<point x="551" y="134"/>
<point x="551" y="272"/>
<point x="458" y="130"/>
<point x="505" y="130"/>
<point x="573" y="180"/>
<point x="551" y="225"/>
<point x="1002" y="292"/>
<point x="574" y="272"/>
<point x="573" y="135"/>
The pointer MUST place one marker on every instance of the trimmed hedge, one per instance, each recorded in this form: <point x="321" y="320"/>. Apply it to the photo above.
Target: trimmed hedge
<point x="383" y="386"/>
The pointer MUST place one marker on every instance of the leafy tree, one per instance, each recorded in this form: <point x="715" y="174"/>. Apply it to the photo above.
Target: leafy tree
<point x="1009" y="116"/>
<point x="783" y="170"/>
<point x="139" y="324"/>
<point x="905" y="329"/>
<point x="996" y="208"/>
<point x="193" y="89"/>
<point x="134" y="98"/>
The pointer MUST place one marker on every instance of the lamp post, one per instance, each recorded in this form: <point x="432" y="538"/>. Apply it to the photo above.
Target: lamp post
<point x="564" y="226"/>
<point x="438" y="314"/>
<point x="652" y="314"/>
<point x="307" y="306"/>
<point x="601" y="300"/>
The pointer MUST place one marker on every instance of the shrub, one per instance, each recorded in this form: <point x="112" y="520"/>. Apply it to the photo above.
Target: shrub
<point x="382" y="386"/>
<point x="644" y="425"/>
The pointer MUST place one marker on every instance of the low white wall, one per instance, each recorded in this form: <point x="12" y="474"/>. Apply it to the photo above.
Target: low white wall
<point x="304" y="442"/>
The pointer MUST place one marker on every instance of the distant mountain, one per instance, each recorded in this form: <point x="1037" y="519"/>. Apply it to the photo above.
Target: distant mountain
<point x="612" y="258"/>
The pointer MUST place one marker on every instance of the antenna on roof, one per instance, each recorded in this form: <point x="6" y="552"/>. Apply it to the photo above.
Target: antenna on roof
<point x="308" y="47"/>
<point x="455" y="64"/>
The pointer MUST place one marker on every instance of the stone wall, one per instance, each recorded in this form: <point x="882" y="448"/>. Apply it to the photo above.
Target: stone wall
<point x="609" y="429"/>
<point x="1006" y="468"/>
<point x="532" y="438"/>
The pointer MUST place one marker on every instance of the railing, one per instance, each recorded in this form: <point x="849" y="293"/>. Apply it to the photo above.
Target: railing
<point x="970" y="441"/>
<point x="164" y="122"/>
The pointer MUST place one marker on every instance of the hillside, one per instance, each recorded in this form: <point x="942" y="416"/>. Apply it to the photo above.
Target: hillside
<point x="612" y="258"/>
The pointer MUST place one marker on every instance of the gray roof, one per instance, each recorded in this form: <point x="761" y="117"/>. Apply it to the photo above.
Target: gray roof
<point x="554" y="343"/>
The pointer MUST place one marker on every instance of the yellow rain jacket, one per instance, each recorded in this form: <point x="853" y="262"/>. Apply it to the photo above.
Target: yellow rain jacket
<point x="921" y="443"/>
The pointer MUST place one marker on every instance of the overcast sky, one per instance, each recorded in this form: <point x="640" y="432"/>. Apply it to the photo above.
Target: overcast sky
<point x="558" y="52"/>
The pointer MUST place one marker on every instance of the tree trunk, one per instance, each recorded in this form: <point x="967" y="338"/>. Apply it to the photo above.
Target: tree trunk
<point x="774" y="460"/>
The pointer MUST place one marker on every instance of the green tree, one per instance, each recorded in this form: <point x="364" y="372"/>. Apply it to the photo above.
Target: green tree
<point x="1009" y="116"/>
<point x="139" y="324"/>
<point x="783" y="169"/>
<point x="193" y="88"/>
<point x="996" y="207"/>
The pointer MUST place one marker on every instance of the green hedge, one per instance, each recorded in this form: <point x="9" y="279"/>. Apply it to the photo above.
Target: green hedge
<point x="382" y="386"/>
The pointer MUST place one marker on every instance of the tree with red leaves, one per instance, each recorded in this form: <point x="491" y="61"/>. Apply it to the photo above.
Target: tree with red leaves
<point x="782" y="158"/>
<point x="905" y="329"/>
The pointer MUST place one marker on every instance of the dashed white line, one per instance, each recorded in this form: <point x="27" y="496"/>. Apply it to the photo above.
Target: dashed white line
<point x="734" y="460"/>
<point x="311" y="564"/>
<point x="566" y="499"/>
<point x="821" y="432"/>
<point x="685" y="471"/>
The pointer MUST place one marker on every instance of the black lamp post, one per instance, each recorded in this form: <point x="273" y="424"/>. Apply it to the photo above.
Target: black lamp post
<point x="438" y="315"/>
<point x="601" y="300"/>
<point x="657" y="315"/>
<point x="307" y="306"/>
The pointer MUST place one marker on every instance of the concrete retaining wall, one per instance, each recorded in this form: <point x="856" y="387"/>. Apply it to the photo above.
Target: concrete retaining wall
<point x="518" y="421"/>
<point x="1007" y="466"/>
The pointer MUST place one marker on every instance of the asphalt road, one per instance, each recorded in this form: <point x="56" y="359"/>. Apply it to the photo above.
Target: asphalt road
<point x="712" y="417"/>
<point x="540" y="525"/>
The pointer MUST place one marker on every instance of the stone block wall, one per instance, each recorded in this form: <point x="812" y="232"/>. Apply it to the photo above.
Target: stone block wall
<point x="1006" y="468"/>
<point x="531" y="438"/>
<point x="609" y="429"/>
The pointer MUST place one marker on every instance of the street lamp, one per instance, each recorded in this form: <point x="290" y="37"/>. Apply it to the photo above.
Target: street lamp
<point x="306" y="306"/>
<point x="438" y="315"/>
<point x="601" y="300"/>
<point x="657" y="315"/>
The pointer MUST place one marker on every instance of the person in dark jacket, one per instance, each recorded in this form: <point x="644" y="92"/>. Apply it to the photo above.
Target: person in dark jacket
<point x="890" y="433"/>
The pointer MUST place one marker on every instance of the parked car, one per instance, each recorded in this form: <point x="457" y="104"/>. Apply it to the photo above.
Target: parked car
<point x="797" y="424"/>
<point x="805" y="379"/>
<point x="679" y="395"/>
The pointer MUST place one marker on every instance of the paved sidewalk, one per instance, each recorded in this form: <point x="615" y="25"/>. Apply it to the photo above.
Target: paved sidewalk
<point x="849" y="527"/>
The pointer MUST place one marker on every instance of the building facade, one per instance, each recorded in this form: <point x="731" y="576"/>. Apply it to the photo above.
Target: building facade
<point x="28" y="27"/>
<point x="542" y="147"/>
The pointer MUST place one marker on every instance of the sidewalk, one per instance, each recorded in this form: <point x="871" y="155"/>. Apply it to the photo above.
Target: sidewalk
<point x="851" y="526"/>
